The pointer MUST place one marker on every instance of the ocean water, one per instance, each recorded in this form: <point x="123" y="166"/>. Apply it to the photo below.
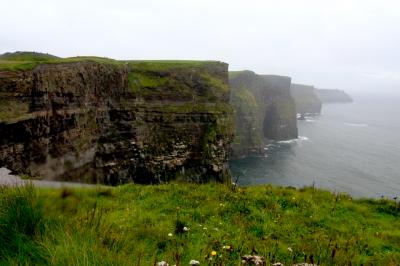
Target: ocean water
<point x="352" y="148"/>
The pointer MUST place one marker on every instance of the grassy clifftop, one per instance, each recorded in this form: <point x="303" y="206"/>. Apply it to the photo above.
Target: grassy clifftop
<point x="28" y="60"/>
<point x="214" y="224"/>
<point x="174" y="80"/>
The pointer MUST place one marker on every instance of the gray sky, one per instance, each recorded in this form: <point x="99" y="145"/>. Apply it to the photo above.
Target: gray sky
<point x="347" y="44"/>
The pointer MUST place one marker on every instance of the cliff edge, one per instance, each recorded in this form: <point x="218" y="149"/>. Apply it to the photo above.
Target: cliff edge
<point x="334" y="96"/>
<point x="95" y="120"/>
<point x="306" y="99"/>
<point x="264" y="110"/>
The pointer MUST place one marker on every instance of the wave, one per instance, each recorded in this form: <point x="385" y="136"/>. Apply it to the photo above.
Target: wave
<point x="356" y="124"/>
<point x="270" y="146"/>
<point x="291" y="141"/>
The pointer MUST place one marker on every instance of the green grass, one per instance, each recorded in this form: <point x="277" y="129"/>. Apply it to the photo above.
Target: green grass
<point x="139" y="81"/>
<point x="24" y="64"/>
<point x="140" y="225"/>
<point x="216" y="82"/>
<point x="176" y="80"/>
<point x="167" y="65"/>
<point x="21" y="227"/>
<point x="244" y="100"/>
<point x="22" y="61"/>
<point x="27" y="56"/>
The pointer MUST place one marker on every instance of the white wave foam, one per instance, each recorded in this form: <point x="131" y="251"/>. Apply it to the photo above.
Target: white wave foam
<point x="356" y="125"/>
<point x="291" y="141"/>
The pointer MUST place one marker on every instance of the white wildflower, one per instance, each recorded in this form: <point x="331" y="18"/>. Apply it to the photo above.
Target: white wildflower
<point x="290" y="249"/>
<point x="186" y="229"/>
<point x="194" y="262"/>
<point x="170" y="234"/>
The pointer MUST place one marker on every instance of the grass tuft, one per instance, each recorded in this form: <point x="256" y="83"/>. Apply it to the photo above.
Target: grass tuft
<point x="22" y="226"/>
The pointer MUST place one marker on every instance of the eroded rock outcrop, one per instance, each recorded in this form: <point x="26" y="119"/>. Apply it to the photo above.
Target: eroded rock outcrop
<point x="333" y="96"/>
<point x="100" y="120"/>
<point x="264" y="110"/>
<point x="306" y="99"/>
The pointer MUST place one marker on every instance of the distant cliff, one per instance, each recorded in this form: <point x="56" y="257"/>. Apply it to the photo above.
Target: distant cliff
<point x="333" y="96"/>
<point x="306" y="99"/>
<point x="101" y="120"/>
<point x="264" y="110"/>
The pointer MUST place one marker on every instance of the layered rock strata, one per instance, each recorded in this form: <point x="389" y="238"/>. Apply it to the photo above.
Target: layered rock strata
<point x="100" y="120"/>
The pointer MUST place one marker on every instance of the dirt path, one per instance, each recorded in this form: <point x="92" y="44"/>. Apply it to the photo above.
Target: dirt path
<point x="6" y="179"/>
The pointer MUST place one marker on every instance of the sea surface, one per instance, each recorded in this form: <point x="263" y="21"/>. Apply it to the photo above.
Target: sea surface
<point x="352" y="148"/>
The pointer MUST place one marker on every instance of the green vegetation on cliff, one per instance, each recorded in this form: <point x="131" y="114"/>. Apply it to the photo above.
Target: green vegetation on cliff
<point x="248" y="131"/>
<point x="169" y="80"/>
<point x="24" y="60"/>
<point x="13" y="110"/>
<point x="264" y="110"/>
<point x="28" y="60"/>
<point x="140" y="225"/>
<point x="151" y="79"/>
<point x="25" y="63"/>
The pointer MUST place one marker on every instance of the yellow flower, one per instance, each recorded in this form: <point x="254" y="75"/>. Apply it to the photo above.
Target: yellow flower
<point x="213" y="253"/>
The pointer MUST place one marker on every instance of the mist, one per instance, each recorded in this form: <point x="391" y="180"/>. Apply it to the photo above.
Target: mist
<point x="349" y="45"/>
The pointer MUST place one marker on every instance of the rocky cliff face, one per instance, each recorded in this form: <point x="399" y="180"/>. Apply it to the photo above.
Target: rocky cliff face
<point x="97" y="120"/>
<point x="264" y="110"/>
<point x="306" y="99"/>
<point x="333" y="96"/>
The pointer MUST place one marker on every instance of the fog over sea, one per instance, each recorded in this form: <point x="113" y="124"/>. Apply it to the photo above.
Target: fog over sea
<point x="353" y="148"/>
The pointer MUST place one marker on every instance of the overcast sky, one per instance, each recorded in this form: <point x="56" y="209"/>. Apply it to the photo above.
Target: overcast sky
<point x="350" y="44"/>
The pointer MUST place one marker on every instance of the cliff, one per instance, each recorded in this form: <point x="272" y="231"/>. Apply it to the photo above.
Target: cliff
<point x="333" y="96"/>
<point x="101" y="120"/>
<point x="264" y="110"/>
<point x="306" y="99"/>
